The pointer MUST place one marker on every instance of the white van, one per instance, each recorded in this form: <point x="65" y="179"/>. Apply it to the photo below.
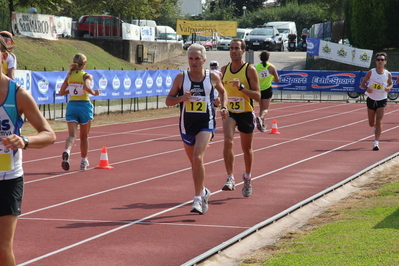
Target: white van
<point x="284" y="27"/>
<point x="144" y="23"/>
<point x="242" y="33"/>
<point x="167" y="34"/>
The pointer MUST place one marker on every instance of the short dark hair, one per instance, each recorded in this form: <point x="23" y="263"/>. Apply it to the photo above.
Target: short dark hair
<point x="243" y="45"/>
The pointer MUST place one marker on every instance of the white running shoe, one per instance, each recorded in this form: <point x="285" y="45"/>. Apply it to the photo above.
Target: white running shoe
<point x="84" y="164"/>
<point x="205" y="200"/>
<point x="230" y="185"/>
<point x="247" y="189"/>
<point x="197" y="205"/>
<point x="65" y="161"/>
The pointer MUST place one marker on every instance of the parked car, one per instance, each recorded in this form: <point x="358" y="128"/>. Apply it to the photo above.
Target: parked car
<point x="224" y="43"/>
<point x="206" y="41"/>
<point x="98" y="25"/>
<point x="284" y="28"/>
<point x="264" y="38"/>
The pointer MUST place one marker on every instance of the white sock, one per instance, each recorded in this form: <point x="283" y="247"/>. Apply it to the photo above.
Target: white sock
<point x="203" y="192"/>
<point x="84" y="159"/>
<point x="247" y="176"/>
<point x="197" y="197"/>
<point x="375" y="142"/>
<point x="67" y="151"/>
<point x="230" y="176"/>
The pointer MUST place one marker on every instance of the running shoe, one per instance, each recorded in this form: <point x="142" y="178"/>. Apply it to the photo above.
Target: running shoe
<point x="376" y="148"/>
<point x="65" y="161"/>
<point x="197" y="205"/>
<point x="230" y="185"/>
<point x="247" y="189"/>
<point x="84" y="164"/>
<point x="205" y="200"/>
<point x="259" y="124"/>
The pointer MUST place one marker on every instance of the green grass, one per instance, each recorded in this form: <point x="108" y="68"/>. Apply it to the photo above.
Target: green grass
<point x="365" y="234"/>
<point x="39" y="54"/>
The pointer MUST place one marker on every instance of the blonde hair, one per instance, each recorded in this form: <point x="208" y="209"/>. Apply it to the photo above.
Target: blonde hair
<point x="78" y="61"/>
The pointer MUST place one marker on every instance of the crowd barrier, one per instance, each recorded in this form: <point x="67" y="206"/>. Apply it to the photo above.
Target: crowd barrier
<point x="126" y="84"/>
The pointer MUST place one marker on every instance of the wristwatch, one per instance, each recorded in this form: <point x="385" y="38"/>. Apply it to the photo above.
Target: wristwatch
<point x="26" y="141"/>
<point x="223" y="108"/>
<point x="241" y="87"/>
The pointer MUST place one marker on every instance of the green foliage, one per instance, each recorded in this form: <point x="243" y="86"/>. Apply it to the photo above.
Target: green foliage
<point x="373" y="24"/>
<point x="57" y="55"/>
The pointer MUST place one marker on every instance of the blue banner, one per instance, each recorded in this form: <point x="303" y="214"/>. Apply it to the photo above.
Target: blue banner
<point x="123" y="84"/>
<point x="328" y="81"/>
<point x="313" y="46"/>
<point x="114" y="84"/>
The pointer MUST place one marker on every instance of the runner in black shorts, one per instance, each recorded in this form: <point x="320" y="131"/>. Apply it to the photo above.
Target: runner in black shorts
<point x="377" y="83"/>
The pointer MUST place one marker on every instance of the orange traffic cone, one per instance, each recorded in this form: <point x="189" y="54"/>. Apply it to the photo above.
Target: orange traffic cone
<point x="274" y="128"/>
<point x="104" y="160"/>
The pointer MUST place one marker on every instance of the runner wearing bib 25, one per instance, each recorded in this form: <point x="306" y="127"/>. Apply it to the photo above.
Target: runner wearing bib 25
<point x="242" y="86"/>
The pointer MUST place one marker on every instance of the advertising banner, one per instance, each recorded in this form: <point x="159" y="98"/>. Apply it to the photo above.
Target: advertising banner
<point x="63" y="26"/>
<point x="148" y="34"/>
<point x="114" y="84"/>
<point x="345" y="54"/>
<point x="339" y="52"/>
<point x="130" y="31"/>
<point x="34" y="25"/>
<point x="327" y="81"/>
<point x="206" y="27"/>
<point x="124" y="84"/>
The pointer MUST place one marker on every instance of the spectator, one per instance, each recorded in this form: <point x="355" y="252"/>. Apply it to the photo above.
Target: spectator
<point x="32" y="9"/>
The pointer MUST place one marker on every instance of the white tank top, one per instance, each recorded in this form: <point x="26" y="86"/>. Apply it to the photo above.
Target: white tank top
<point x="378" y="83"/>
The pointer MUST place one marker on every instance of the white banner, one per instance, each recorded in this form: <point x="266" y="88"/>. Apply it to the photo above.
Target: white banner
<point x="130" y="31"/>
<point x="63" y="26"/>
<point x="345" y="54"/>
<point x="24" y="78"/>
<point x="34" y="25"/>
<point x="148" y="34"/>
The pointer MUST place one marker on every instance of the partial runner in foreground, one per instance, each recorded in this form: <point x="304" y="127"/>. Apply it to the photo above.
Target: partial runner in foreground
<point x="377" y="83"/>
<point x="194" y="90"/>
<point x="16" y="101"/>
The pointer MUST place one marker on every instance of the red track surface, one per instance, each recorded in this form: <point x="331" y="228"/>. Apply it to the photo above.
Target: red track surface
<point x="139" y="212"/>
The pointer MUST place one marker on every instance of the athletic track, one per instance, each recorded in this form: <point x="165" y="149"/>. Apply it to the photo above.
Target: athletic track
<point x="139" y="212"/>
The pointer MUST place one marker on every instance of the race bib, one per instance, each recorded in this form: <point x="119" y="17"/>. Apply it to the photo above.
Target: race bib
<point x="6" y="158"/>
<point x="75" y="89"/>
<point x="196" y="104"/>
<point x="263" y="73"/>
<point x="236" y="103"/>
<point x="377" y="86"/>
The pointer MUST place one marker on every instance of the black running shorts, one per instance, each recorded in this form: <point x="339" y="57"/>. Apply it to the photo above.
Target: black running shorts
<point x="11" y="192"/>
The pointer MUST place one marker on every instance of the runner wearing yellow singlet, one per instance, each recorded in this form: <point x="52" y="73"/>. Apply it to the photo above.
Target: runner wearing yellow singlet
<point x="242" y="86"/>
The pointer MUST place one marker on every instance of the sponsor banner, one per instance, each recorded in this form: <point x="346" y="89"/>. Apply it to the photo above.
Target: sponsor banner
<point x="313" y="46"/>
<point x="148" y="34"/>
<point x="206" y="27"/>
<point x="114" y="84"/>
<point x="124" y="84"/>
<point x="34" y="25"/>
<point x="328" y="81"/>
<point x="345" y="54"/>
<point x="63" y="26"/>
<point x="130" y="31"/>
<point x="24" y="79"/>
